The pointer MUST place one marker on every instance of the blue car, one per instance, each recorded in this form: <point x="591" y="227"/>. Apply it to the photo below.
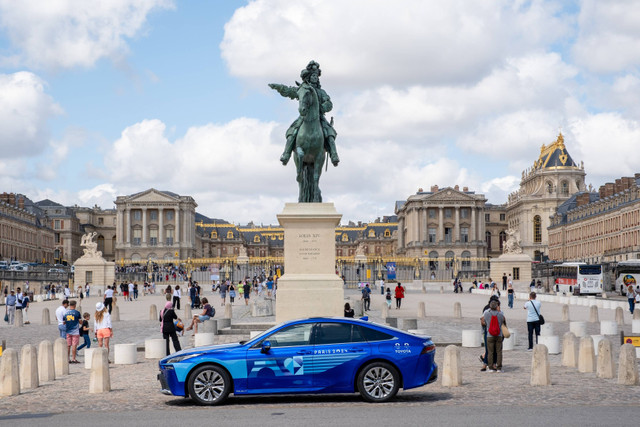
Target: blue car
<point x="317" y="355"/>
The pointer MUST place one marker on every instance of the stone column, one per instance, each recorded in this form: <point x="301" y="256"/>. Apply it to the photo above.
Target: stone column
<point x="119" y="226"/>
<point x="481" y="225"/>
<point x="401" y="233"/>
<point x="176" y="239"/>
<point x="472" y="231"/>
<point x="456" y="229"/>
<point x="440" y="224"/>
<point x="423" y="225"/>
<point x="128" y="225"/>
<point x="160" y="226"/>
<point x="144" y="226"/>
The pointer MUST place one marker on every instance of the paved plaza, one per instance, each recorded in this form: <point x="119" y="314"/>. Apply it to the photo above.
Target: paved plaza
<point x="134" y="387"/>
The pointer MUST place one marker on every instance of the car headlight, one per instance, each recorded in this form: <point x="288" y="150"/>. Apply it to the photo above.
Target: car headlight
<point x="182" y="358"/>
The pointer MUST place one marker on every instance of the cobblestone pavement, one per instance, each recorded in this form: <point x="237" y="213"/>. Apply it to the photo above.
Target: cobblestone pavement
<point x="135" y="387"/>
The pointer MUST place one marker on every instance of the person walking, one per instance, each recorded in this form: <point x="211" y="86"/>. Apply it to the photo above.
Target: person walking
<point x="631" y="297"/>
<point x="399" y="295"/>
<point x="102" y="326"/>
<point x="232" y="294"/>
<point x="493" y="319"/>
<point x="224" y="287"/>
<point x="387" y="298"/>
<point x="246" y="290"/>
<point x="62" y="329"/>
<point x="10" y="309"/>
<point x="72" y="318"/>
<point x="533" y="318"/>
<point x="177" y="294"/>
<point x="168" y="328"/>
<point x="84" y="332"/>
<point x="108" y="298"/>
<point x="504" y="281"/>
<point x="366" y="297"/>
<point x="511" y="295"/>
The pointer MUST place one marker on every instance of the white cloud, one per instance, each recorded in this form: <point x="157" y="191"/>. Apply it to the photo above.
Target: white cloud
<point x="365" y="42"/>
<point x="102" y="195"/>
<point x="25" y="109"/>
<point x="69" y="33"/>
<point x="609" y="36"/>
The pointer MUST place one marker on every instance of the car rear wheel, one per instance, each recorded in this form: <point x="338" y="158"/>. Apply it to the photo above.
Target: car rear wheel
<point x="378" y="382"/>
<point x="209" y="385"/>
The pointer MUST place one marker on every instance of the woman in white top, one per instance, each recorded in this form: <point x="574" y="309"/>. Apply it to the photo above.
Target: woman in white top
<point x="177" y="294"/>
<point x="102" y="326"/>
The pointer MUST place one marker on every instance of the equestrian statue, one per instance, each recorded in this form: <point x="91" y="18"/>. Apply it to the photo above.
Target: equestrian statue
<point x="310" y="135"/>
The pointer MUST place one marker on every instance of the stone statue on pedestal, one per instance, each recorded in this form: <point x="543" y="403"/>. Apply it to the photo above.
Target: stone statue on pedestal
<point x="91" y="247"/>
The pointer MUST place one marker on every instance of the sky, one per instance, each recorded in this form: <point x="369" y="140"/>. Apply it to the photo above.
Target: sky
<point x="102" y="99"/>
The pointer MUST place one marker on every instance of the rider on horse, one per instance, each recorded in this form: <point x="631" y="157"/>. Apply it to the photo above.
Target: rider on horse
<point x="310" y="76"/>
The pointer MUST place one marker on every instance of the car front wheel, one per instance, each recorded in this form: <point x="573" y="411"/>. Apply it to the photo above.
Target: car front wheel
<point x="209" y="385"/>
<point x="378" y="382"/>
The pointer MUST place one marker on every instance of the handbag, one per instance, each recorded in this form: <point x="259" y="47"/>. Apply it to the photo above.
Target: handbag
<point x="505" y="331"/>
<point x="541" y="321"/>
<point x="6" y="317"/>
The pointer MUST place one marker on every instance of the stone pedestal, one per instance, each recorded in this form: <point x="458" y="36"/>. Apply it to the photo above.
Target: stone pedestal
<point x="452" y="367"/>
<point x="309" y="286"/>
<point x="46" y="318"/>
<point x="204" y="338"/>
<point x="228" y="311"/>
<point x="125" y="354"/>
<point x="552" y="342"/>
<point x="422" y="312"/>
<point x="510" y="343"/>
<point x="209" y="326"/>
<point x="506" y="263"/>
<point x="155" y="348"/>
<point x="94" y="270"/>
<point x="471" y="338"/>
<point x="409" y="324"/>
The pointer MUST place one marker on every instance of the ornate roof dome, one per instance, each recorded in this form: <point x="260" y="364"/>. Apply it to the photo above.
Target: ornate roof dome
<point x="554" y="155"/>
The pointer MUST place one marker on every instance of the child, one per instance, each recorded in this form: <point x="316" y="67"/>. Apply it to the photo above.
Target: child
<point x="84" y="331"/>
<point x="232" y="294"/>
<point x="388" y="297"/>
<point x="179" y="326"/>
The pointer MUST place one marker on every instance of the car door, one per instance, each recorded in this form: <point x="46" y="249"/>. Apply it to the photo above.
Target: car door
<point x="338" y="351"/>
<point x="282" y="368"/>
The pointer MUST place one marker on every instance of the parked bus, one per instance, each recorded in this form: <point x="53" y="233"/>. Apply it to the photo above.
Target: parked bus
<point x="578" y="278"/>
<point x="627" y="273"/>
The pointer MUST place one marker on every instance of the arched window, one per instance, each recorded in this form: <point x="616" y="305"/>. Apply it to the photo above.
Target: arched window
<point x="387" y="233"/>
<point x="503" y="238"/>
<point x="372" y="233"/>
<point x="448" y="259"/>
<point x="537" y="229"/>
<point x="433" y="260"/>
<point x="256" y="238"/>
<point x="229" y="234"/>
<point x="466" y="260"/>
<point x="214" y="234"/>
<point x="549" y="187"/>
<point x="345" y="237"/>
<point x="100" y="241"/>
<point x="564" y="188"/>
<point x="487" y="238"/>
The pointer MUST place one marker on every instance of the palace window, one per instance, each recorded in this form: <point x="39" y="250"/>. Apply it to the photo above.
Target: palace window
<point x="214" y="234"/>
<point x="432" y="213"/>
<point x="432" y="234"/>
<point x="448" y="232"/>
<point x="229" y="234"/>
<point x="503" y="238"/>
<point x="464" y="213"/>
<point x="487" y="238"/>
<point x="153" y="237"/>
<point x="464" y="234"/>
<point x="153" y="215"/>
<point x="169" y="239"/>
<point x="137" y="236"/>
<point x="137" y="215"/>
<point x="372" y="233"/>
<point x="387" y="233"/>
<point x="169" y="215"/>
<point x="448" y="212"/>
<point x="564" y="189"/>
<point x="56" y="224"/>
<point x="100" y="221"/>
<point x="503" y="217"/>
<point x="549" y="187"/>
<point x="345" y="237"/>
<point x="537" y="229"/>
<point x="487" y="217"/>
<point x="256" y="238"/>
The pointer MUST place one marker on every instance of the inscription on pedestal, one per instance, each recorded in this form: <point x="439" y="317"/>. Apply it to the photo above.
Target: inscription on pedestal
<point x="309" y="246"/>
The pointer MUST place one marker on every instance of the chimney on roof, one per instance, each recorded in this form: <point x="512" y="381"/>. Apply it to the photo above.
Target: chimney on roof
<point x="21" y="202"/>
<point x="420" y="190"/>
<point x="457" y="188"/>
<point x="582" y="199"/>
<point x="12" y="199"/>
<point x="434" y="188"/>
<point x="465" y="189"/>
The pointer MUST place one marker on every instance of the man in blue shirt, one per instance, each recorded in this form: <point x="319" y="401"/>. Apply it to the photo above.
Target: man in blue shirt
<point x="11" y="306"/>
<point x="533" y="318"/>
<point x="72" y="319"/>
<point x="366" y="297"/>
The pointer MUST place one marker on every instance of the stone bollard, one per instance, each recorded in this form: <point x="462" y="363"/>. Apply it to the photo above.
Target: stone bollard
<point x="604" y="365"/>
<point x="409" y="324"/>
<point x="424" y="289"/>
<point x="586" y="355"/>
<point x="188" y="315"/>
<point x="384" y="310"/>
<point x="224" y="323"/>
<point x="547" y="329"/>
<point x="46" y="365"/>
<point x="565" y="312"/>
<point x="540" y="369"/>
<point x="593" y="314"/>
<point x="422" y="312"/>
<point x="619" y="316"/>
<point x="442" y="289"/>
<point x="115" y="314"/>
<point x="209" y="326"/>
<point x="228" y="311"/>
<point x="636" y="314"/>
<point x="17" y="321"/>
<point x="579" y="329"/>
<point x="9" y="375"/>
<point x="570" y="350"/>
<point x="155" y="348"/>
<point x="627" y="365"/>
<point x="99" y="380"/>
<point x="608" y="327"/>
<point x="511" y="342"/>
<point x="46" y="318"/>
<point x="358" y="307"/>
<point x="471" y="338"/>
<point x="635" y="324"/>
<point x="452" y="367"/>
<point x="552" y="342"/>
<point x="99" y="292"/>
<point x="457" y="310"/>
<point x="124" y="354"/>
<point x="88" y="357"/>
<point x="61" y="357"/>
<point x="204" y="338"/>
<point x="153" y="312"/>
<point x="596" y="340"/>
<point x="392" y="321"/>
<point x="29" y="368"/>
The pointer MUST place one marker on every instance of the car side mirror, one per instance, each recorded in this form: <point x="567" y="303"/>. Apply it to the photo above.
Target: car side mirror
<point x="266" y="346"/>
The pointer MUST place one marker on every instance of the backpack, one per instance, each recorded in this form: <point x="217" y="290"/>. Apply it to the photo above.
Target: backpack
<point x="494" y="326"/>
<point x="388" y="295"/>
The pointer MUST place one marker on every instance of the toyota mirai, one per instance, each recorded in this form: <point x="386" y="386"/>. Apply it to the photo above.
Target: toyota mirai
<point x="317" y="355"/>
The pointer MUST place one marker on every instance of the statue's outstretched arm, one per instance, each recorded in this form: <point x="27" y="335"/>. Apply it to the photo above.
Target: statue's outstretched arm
<point x="288" y="91"/>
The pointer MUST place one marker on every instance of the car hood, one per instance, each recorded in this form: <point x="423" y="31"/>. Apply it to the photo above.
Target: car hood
<point x="207" y="349"/>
